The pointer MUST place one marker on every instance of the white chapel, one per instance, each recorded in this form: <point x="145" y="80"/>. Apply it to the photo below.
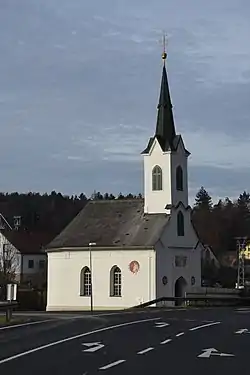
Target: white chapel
<point x="120" y="253"/>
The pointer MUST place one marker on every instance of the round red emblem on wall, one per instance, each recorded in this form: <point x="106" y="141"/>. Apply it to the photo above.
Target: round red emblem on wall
<point x="134" y="266"/>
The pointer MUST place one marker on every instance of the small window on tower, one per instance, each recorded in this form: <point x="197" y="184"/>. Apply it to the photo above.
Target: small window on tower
<point x="179" y="178"/>
<point x="157" y="178"/>
<point x="180" y="224"/>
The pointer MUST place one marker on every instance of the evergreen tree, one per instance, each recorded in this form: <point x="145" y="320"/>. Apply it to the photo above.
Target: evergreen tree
<point x="203" y="200"/>
<point x="243" y="214"/>
<point x="228" y="203"/>
<point x="244" y="200"/>
<point x="82" y="197"/>
<point x="130" y="196"/>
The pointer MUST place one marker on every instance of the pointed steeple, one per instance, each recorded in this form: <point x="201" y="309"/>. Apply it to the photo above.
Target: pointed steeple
<point x="165" y="128"/>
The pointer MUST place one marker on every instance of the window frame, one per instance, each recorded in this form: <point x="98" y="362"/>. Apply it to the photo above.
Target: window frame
<point x="31" y="261"/>
<point x="41" y="264"/>
<point x="180" y="224"/>
<point x="115" y="282"/>
<point x="179" y="178"/>
<point x="85" y="282"/>
<point x="157" y="178"/>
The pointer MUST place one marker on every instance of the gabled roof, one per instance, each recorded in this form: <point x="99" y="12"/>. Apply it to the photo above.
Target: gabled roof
<point x="165" y="147"/>
<point x="180" y="203"/>
<point x="28" y="242"/>
<point x="114" y="223"/>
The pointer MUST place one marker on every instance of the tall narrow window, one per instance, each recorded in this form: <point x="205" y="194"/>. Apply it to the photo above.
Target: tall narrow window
<point x="85" y="282"/>
<point x="179" y="178"/>
<point x="180" y="224"/>
<point x="157" y="178"/>
<point x="115" y="282"/>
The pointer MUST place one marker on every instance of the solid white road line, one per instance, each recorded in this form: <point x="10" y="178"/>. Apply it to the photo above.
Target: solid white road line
<point x="166" y="341"/>
<point x="154" y="310"/>
<point x="8" y="359"/>
<point x="25" y="324"/>
<point x="145" y="350"/>
<point x="112" y="364"/>
<point x="204" y="326"/>
<point x="179" y="334"/>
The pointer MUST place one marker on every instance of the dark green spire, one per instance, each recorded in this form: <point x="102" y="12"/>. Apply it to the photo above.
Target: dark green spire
<point x="165" y="129"/>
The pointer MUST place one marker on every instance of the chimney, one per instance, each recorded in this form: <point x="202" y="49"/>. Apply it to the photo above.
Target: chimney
<point x="17" y="222"/>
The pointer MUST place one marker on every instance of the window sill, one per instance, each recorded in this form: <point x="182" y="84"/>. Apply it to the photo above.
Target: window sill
<point x="115" y="296"/>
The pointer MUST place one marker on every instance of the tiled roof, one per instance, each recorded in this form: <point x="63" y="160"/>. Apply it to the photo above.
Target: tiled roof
<point x="28" y="242"/>
<point x="115" y="223"/>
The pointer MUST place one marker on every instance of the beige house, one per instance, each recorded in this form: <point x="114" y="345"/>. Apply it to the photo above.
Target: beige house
<point x="132" y="251"/>
<point x="23" y="257"/>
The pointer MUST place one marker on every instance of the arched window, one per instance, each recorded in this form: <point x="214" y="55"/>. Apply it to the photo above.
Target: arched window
<point x="180" y="224"/>
<point x="179" y="178"/>
<point x="157" y="178"/>
<point x="85" y="282"/>
<point x="115" y="282"/>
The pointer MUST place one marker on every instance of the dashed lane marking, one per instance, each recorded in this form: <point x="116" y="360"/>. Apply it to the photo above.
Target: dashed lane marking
<point x="112" y="364"/>
<point x="166" y="341"/>
<point x="145" y="350"/>
<point x="179" y="334"/>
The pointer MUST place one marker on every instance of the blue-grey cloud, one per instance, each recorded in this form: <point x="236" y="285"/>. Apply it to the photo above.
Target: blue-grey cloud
<point x="79" y="84"/>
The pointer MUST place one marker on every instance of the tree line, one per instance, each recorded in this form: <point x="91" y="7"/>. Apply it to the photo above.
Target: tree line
<point x="48" y="212"/>
<point x="217" y="224"/>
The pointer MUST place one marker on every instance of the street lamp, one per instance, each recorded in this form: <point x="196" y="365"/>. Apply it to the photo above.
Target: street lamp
<point x="91" y="276"/>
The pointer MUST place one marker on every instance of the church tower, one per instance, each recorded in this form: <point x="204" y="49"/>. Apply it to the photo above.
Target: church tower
<point x="165" y="159"/>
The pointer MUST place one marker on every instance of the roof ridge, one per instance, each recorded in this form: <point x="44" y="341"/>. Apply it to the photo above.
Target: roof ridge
<point x="103" y="201"/>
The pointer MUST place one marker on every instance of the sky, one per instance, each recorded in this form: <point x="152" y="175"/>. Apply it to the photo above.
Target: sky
<point x="79" y="86"/>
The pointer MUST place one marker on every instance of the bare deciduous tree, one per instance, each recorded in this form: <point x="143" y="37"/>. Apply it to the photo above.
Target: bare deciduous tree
<point x="9" y="263"/>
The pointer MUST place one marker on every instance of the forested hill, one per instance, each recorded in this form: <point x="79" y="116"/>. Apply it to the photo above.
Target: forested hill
<point x="218" y="224"/>
<point x="46" y="212"/>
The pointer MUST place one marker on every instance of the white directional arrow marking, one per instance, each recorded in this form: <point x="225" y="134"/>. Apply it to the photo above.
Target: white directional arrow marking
<point x="212" y="351"/>
<point x="207" y="353"/>
<point x="93" y="346"/>
<point x="243" y="330"/>
<point x="161" y="324"/>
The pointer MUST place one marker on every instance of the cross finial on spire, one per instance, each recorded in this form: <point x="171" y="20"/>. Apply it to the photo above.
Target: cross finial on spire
<point x="164" y="53"/>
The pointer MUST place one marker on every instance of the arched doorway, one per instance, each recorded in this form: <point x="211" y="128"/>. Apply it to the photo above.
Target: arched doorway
<point x="179" y="290"/>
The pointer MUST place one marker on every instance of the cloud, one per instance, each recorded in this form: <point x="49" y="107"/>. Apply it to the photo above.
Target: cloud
<point x="79" y="84"/>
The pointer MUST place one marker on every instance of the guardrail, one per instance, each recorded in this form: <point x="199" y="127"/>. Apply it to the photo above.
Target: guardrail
<point x="205" y="300"/>
<point x="8" y="307"/>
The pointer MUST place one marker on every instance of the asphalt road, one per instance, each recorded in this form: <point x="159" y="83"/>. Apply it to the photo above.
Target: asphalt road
<point x="200" y="341"/>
